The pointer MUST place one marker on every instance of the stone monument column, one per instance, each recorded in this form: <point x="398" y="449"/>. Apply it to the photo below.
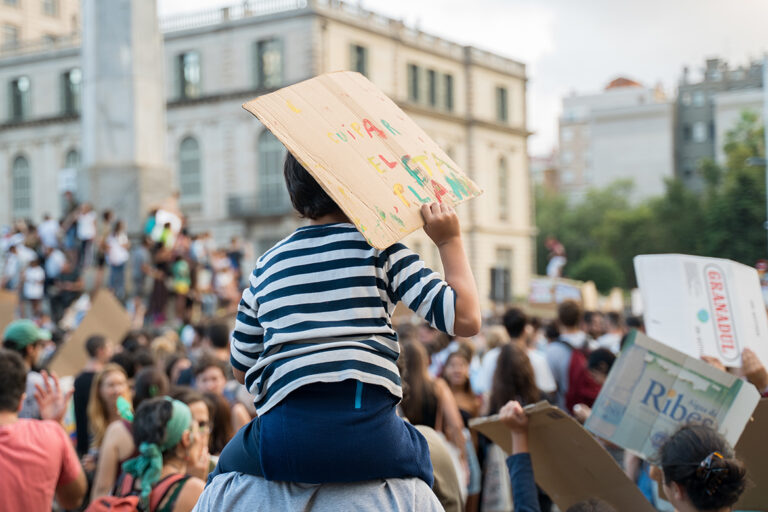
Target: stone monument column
<point x="123" y="113"/>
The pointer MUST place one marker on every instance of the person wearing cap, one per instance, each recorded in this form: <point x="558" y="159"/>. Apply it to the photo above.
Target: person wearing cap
<point x="27" y="339"/>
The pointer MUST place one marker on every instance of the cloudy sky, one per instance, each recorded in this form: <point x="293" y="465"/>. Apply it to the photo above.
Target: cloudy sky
<point x="580" y="46"/>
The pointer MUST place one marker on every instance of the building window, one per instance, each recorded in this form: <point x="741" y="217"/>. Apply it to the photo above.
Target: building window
<point x="686" y="132"/>
<point x="359" y="59"/>
<point x="686" y="99"/>
<point x="269" y="63"/>
<point x="432" y="87"/>
<point x="10" y="36"/>
<point x="503" y="190"/>
<point x="68" y="177"/>
<point x="51" y="7"/>
<point x="448" y="96"/>
<point x="188" y="66"/>
<point x="19" y="96"/>
<point x="699" y="131"/>
<point x="501" y="276"/>
<point x="699" y="99"/>
<point x="190" y="177"/>
<point x="502" y="110"/>
<point x="273" y="197"/>
<point x="413" y="83"/>
<point x="70" y="91"/>
<point x="21" y="189"/>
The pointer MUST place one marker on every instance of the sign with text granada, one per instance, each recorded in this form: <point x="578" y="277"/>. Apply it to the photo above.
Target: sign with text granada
<point x="703" y="306"/>
<point x="373" y="160"/>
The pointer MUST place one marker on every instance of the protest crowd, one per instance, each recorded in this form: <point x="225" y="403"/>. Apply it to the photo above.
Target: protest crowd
<point x="342" y="408"/>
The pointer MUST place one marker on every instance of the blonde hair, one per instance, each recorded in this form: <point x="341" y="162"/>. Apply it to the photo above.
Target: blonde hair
<point x="98" y="411"/>
<point x="496" y="336"/>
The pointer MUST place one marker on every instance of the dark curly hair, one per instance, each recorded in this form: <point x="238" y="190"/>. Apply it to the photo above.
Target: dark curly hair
<point x="307" y="196"/>
<point x="151" y="420"/>
<point x="710" y="482"/>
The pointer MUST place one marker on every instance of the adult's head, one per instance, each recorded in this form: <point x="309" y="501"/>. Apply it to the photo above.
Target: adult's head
<point x="515" y="321"/>
<point x="615" y="322"/>
<point x="221" y="423"/>
<point x="218" y="334"/>
<point x="700" y="470"/>
<point x="307" y="196"/>
<point x="569" y="315"/>
<point x="495" y="336"/>
<point x="99" y="348"/>
<point x="164" y="430"/>
<point x="150" y="383"/>
<point x="599" y="364"/>
<point x="210" y="375"/>
<point x="594" y="323"/>
<point x="13" y="378"/>
<point x="201" y="408"/>
<point x="108" y="385"/>
<point x="27" y="339"/>
<point x="175" y="364"/>
<point x="418" y="387"/>
<point x="513" y="378"/>
<point x="456" y="371"/>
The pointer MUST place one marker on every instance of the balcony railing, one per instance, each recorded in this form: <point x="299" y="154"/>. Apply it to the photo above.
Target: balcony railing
<point x="247" y="9"/>
<point x="257" y="206"/>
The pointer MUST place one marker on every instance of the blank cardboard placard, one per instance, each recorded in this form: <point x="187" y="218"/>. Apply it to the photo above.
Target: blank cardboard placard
<point x="367" y="154"/>
<point x="568" y="463"/>
<point x="8" y="303"/>
<point x="107" y="317"/>
<point x="752" y="450"/>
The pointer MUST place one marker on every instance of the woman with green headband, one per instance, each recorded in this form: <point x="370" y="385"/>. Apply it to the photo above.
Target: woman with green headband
<point x="168" y="438"/>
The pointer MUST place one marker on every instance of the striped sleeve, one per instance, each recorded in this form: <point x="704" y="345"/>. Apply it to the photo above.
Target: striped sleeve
<point x="248" y="336"/>
<point x="420" y="288"/>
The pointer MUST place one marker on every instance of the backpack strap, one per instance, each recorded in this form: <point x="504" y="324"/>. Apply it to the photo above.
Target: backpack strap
<point x="162" y="488"/>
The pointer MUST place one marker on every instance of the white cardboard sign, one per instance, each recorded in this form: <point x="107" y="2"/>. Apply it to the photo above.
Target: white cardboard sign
<point x="703" y="306"/>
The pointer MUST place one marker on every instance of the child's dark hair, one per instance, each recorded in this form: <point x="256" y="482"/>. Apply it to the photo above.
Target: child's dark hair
<point x="601" y="360"/>
<point x="151" y="420"/>
<point x="307" y="196"/>
<point x="700" y="460"/>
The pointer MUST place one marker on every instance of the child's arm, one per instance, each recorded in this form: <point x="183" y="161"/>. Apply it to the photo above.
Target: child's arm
<point x="441" y="224"/>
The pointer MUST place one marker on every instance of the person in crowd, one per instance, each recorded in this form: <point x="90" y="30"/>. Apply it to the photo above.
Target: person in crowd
<point x="100" y="351"/>
<point x="221" y="423"/>
<point x="594" y="326"/>
<point x="556" y="257"/>
<point x="117" y="250"/>
<point x="201" y="408"/>
<point x="612" y="338"/>
<point x="48" y="232"/>
<point x="182" y="284"/>
<point x="11" y="271"/>
<point x="66" y="289"/>
<point x="217" y="335"/>
<point x="158" y="298"/>
<point x="456" y="374"/>
<point x="495" y="337"/>
<point x="117" y="445"/>
<point x="86" y="234"/>
<point x="37" y="460"/>
<point x="429" y="401"/>
<point x="27" y="339"/>
<point x="700" y="471"/>
<point x="141" y="268"/>
<point x="169" y="442"/>
<point x="33" y="286"/>
<point x="103" y="232"/>
<point x="54" y="263"/>
<point x="211" y="377"/>
<point x="520" y="330"/>
<point x="175" y="365"/>
<point x="588" y="381"/>
<point x="566" y="355"/>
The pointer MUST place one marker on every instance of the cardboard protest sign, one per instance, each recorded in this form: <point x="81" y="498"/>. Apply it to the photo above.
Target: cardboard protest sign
<point x="106" y="317"/>
<point x="654" y="389"/>
<point x="568" y="463"/>
<point x="552" y="291"/>
<point x="9" y="301"/>
<point x="365" y="152"/>
<point x="703" y="306"/>
<point x="752" y="450"/>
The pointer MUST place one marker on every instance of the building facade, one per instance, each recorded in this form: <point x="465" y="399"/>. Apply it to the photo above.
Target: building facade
<point x="37" y="23"/>
<point x="696" y="127"/>
<point x="621" y="133"/>
<point x="228" y="168"/>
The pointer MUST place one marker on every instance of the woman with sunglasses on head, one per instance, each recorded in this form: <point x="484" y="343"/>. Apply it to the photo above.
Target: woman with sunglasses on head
<point x="700" y="471"/>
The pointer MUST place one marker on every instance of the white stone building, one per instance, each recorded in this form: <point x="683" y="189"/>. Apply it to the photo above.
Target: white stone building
<point x="624" y="132"/>
<point x="728" y="107"/>
<point x="228" y="168"/>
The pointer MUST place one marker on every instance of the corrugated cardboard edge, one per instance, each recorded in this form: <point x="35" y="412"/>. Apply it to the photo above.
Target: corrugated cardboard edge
<point x="9" y="301"/>
<point x="251" y="107"/>
<point x="568" y="463"/>
<point x="752" y="450"/>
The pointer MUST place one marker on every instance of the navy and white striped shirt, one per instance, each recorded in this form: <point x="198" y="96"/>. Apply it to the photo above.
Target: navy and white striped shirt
<point x="318" y="310"/>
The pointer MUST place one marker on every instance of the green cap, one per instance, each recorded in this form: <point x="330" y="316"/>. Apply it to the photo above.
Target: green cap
<point x="24" y="332"/>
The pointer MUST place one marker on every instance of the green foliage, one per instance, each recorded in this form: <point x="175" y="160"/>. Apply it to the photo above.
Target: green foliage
<point x="601" y="269"/>
<point x="604" y="231"/>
